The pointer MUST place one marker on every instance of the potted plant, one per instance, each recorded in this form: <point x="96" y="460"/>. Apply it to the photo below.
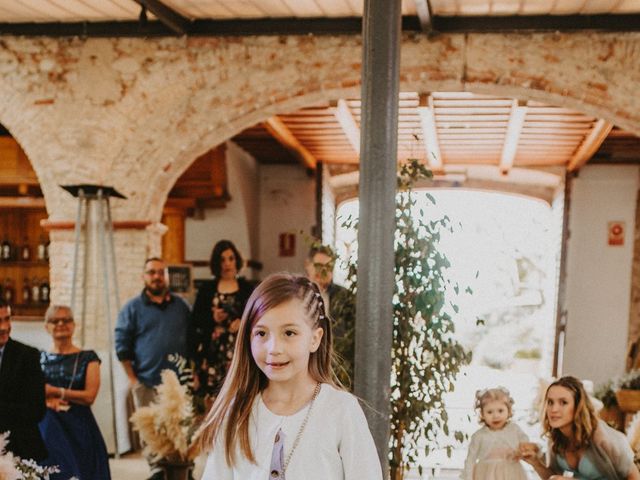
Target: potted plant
<point x="167" y="427"/>
<point x="426" y="358"/>
<point x="628" y="391"/>
<point x="610" y="411"/>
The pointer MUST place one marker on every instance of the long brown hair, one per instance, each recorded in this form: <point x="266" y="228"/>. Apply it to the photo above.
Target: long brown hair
<point x="584" y="422"/>
<point x="231" y="411"/>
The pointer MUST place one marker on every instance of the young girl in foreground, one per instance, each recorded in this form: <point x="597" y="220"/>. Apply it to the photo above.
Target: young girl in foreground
<point x="493" y="451"/>
<point x="279" y="411"/>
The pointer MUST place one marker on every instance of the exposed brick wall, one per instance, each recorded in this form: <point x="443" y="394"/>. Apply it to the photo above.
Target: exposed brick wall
<point x="134" y="113"/>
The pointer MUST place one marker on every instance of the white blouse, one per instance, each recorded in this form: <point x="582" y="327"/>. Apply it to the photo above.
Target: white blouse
<point x="336" y="443"/>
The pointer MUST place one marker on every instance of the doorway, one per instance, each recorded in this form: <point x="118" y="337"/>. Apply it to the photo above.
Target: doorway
<point x="506" y="248"/>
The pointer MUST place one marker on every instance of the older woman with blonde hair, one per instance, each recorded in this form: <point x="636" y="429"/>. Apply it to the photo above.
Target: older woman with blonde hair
<point x="578" y="442"/>
<point x="72" y="377"/>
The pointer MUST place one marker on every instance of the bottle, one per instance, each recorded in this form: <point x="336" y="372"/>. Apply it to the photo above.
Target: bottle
<point x="42" y="249"/>
<point x="8" y="292"/>
<point x="5" y="250"/>
<point x="26" y="292"/>
<point x="25" y="251"/>
<point x="44" y="291"/>
<point x="36" y="294"/>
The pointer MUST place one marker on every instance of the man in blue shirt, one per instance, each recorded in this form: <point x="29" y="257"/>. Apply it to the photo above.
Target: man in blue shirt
<point x="150" y="327"/>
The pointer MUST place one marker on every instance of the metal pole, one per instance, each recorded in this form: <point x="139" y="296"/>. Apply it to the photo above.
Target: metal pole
<point x="378" y="164"/>
<point x="561" y="304"/>
<point x="74" y="274"/>
<point x="102" y="232"/>
<point x="114" y="271"/>
<point x="85" y="263"/>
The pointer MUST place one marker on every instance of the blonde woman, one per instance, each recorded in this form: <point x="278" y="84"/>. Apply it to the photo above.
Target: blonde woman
<point x="72" y="377"/>
<point x="578" y="442"/>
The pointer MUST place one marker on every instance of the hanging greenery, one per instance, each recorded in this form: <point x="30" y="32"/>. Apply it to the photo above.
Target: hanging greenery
<point x="426" y="358"/>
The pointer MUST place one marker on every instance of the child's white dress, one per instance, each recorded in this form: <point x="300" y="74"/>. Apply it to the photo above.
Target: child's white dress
<point x="492" y="454"/>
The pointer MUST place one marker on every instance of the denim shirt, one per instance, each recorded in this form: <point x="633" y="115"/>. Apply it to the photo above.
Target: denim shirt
<point x="147" y="332"/>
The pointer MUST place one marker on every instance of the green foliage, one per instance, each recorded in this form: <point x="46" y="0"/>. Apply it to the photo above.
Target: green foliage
<point x="425" y="356"/>
<point x="531" y="353"/>
<point x="343" y="316"/>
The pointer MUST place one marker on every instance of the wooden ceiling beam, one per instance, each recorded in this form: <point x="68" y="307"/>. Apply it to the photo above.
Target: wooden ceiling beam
<point x="430" y="132"/>
<point x="277" y="128"/>
<point x="180" y="203"/>
<point x="22" y="202"/>
<point x="590" y="145"/>
<point x="167" y="15"/>
<point x="425" y="15"/>
<point x="324" y="26"/>
<point x="348" y="123"/>
<point x="514" y="129"/>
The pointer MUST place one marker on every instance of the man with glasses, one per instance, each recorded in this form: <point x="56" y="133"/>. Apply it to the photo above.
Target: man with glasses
<point x="319" y="267"/>
<point x="22" y="403"/>
<point x="150" y="327"/>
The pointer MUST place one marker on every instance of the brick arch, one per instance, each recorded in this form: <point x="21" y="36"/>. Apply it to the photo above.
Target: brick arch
<point x="172" y="99"/>
<point x="595" y="75"/>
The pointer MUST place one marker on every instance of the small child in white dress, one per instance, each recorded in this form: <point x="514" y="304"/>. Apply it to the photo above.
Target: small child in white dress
<point x="493" y="451"/>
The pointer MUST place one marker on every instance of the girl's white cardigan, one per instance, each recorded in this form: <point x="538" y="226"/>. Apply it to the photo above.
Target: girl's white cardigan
<point x="336" y="443"/>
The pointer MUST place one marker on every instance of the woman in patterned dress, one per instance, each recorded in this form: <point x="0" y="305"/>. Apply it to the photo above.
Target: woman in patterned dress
<point x="216" y="317"/>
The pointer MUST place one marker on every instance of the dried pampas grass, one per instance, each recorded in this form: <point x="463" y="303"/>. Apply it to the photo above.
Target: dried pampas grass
<point x="166" y="426"/>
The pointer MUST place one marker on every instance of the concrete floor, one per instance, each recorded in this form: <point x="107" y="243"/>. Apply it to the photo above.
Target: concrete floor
<point x="133" y="466"/>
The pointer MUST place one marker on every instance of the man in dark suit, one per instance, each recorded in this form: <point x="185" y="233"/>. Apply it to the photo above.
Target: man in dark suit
<point x="22" y="403"/>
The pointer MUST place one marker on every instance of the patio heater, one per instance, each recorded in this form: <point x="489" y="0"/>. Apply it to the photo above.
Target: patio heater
<point x="94" y="238"/>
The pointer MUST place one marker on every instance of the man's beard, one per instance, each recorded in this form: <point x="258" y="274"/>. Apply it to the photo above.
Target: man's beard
<point x="157" y="291"/>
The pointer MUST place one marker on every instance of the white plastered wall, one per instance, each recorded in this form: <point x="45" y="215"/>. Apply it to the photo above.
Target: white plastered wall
<point x="599" y="275"/>
<point x="237" y="222"/>
<point x="266" y="200"/>
<point x="287" y="205"/>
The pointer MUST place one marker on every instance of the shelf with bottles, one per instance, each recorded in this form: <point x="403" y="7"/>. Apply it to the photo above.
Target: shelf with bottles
<point x="28" y="292"/>
<point x="25" y="252"/>
<point x="24" y="261"/>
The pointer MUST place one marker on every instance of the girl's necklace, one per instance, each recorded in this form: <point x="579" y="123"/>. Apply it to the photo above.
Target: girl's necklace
<point x="301" y="430"/>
